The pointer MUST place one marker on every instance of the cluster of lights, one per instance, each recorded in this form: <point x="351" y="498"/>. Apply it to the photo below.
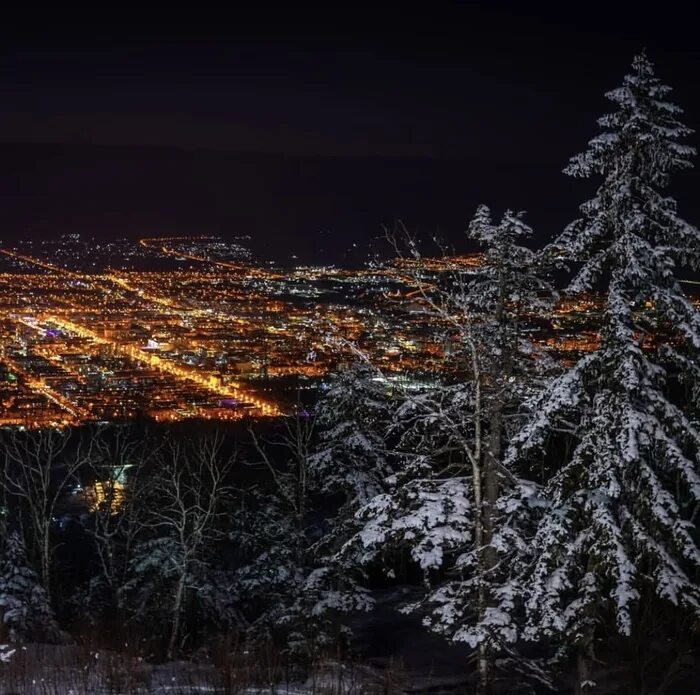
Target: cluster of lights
<point x="208" y="341"/>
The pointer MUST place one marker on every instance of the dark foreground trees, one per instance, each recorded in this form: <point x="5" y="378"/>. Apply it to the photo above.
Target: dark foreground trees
<point x="571" y="529"/>
<point x="618" y="526"/>
<point x="544" y="517"/>
<point x="24" y="604"/>
<point x="443" y="502"/>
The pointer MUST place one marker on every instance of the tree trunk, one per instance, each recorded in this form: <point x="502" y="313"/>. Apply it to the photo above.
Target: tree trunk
<point x="46" y="559"/>
<point x="586" y="655"/>
<point x="484" y="686"/>
<point x="483" y="661"/>
<point x="584" y="662"/>
<point x="491" y="486"/>
<point x="488" y="558"/>
<point x="177" y="611"/>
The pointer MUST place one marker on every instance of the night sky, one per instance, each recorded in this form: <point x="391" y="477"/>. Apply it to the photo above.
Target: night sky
<point x="486" y="101"/>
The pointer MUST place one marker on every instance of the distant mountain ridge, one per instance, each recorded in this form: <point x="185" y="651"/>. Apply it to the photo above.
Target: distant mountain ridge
<point x="313" y="207"/>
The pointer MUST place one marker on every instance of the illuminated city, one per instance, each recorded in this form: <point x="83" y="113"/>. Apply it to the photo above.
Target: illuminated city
<point x="212" y="336"/>
<point x="350" y="353"/>
<point x="174" y="329"/>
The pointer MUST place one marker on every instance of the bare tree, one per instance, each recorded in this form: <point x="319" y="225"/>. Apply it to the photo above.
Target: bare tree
<point x="119" y="464"/>
<point x="190" y="487"/>
<point x="37" y="471"/>
<point x="291" y="484"/>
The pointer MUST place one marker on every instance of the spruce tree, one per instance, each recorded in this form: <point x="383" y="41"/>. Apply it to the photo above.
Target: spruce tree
<point x="25" y="612"/>
<point x="350" y="458"/>
<point x="620" y="509"/>
<point x="293" y="589"/>
<point x="445" y="504"/>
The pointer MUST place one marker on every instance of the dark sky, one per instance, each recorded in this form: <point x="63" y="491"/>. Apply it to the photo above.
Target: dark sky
<point x="481" y="102"/>
<point x="446" y="80"/>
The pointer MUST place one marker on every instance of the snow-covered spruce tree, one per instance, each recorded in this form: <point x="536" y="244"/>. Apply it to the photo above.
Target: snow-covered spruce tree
<point x="479" y="604"/>
<point x="622" y="506"/>
<point x="294" y="593"/>
<point x="207" y="605"/>
<point x="424" y="509"/>
<point x="350" y="458"/>
<point x="25" y="612"/>
<point x="445" y="503"/>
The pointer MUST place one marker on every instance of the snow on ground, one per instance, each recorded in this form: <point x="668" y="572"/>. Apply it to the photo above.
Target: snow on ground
<point x="41" y="669"/>
<point x="38" y="669"/>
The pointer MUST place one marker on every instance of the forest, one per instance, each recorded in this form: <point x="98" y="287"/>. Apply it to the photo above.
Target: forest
<point x="539" y="518"/>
